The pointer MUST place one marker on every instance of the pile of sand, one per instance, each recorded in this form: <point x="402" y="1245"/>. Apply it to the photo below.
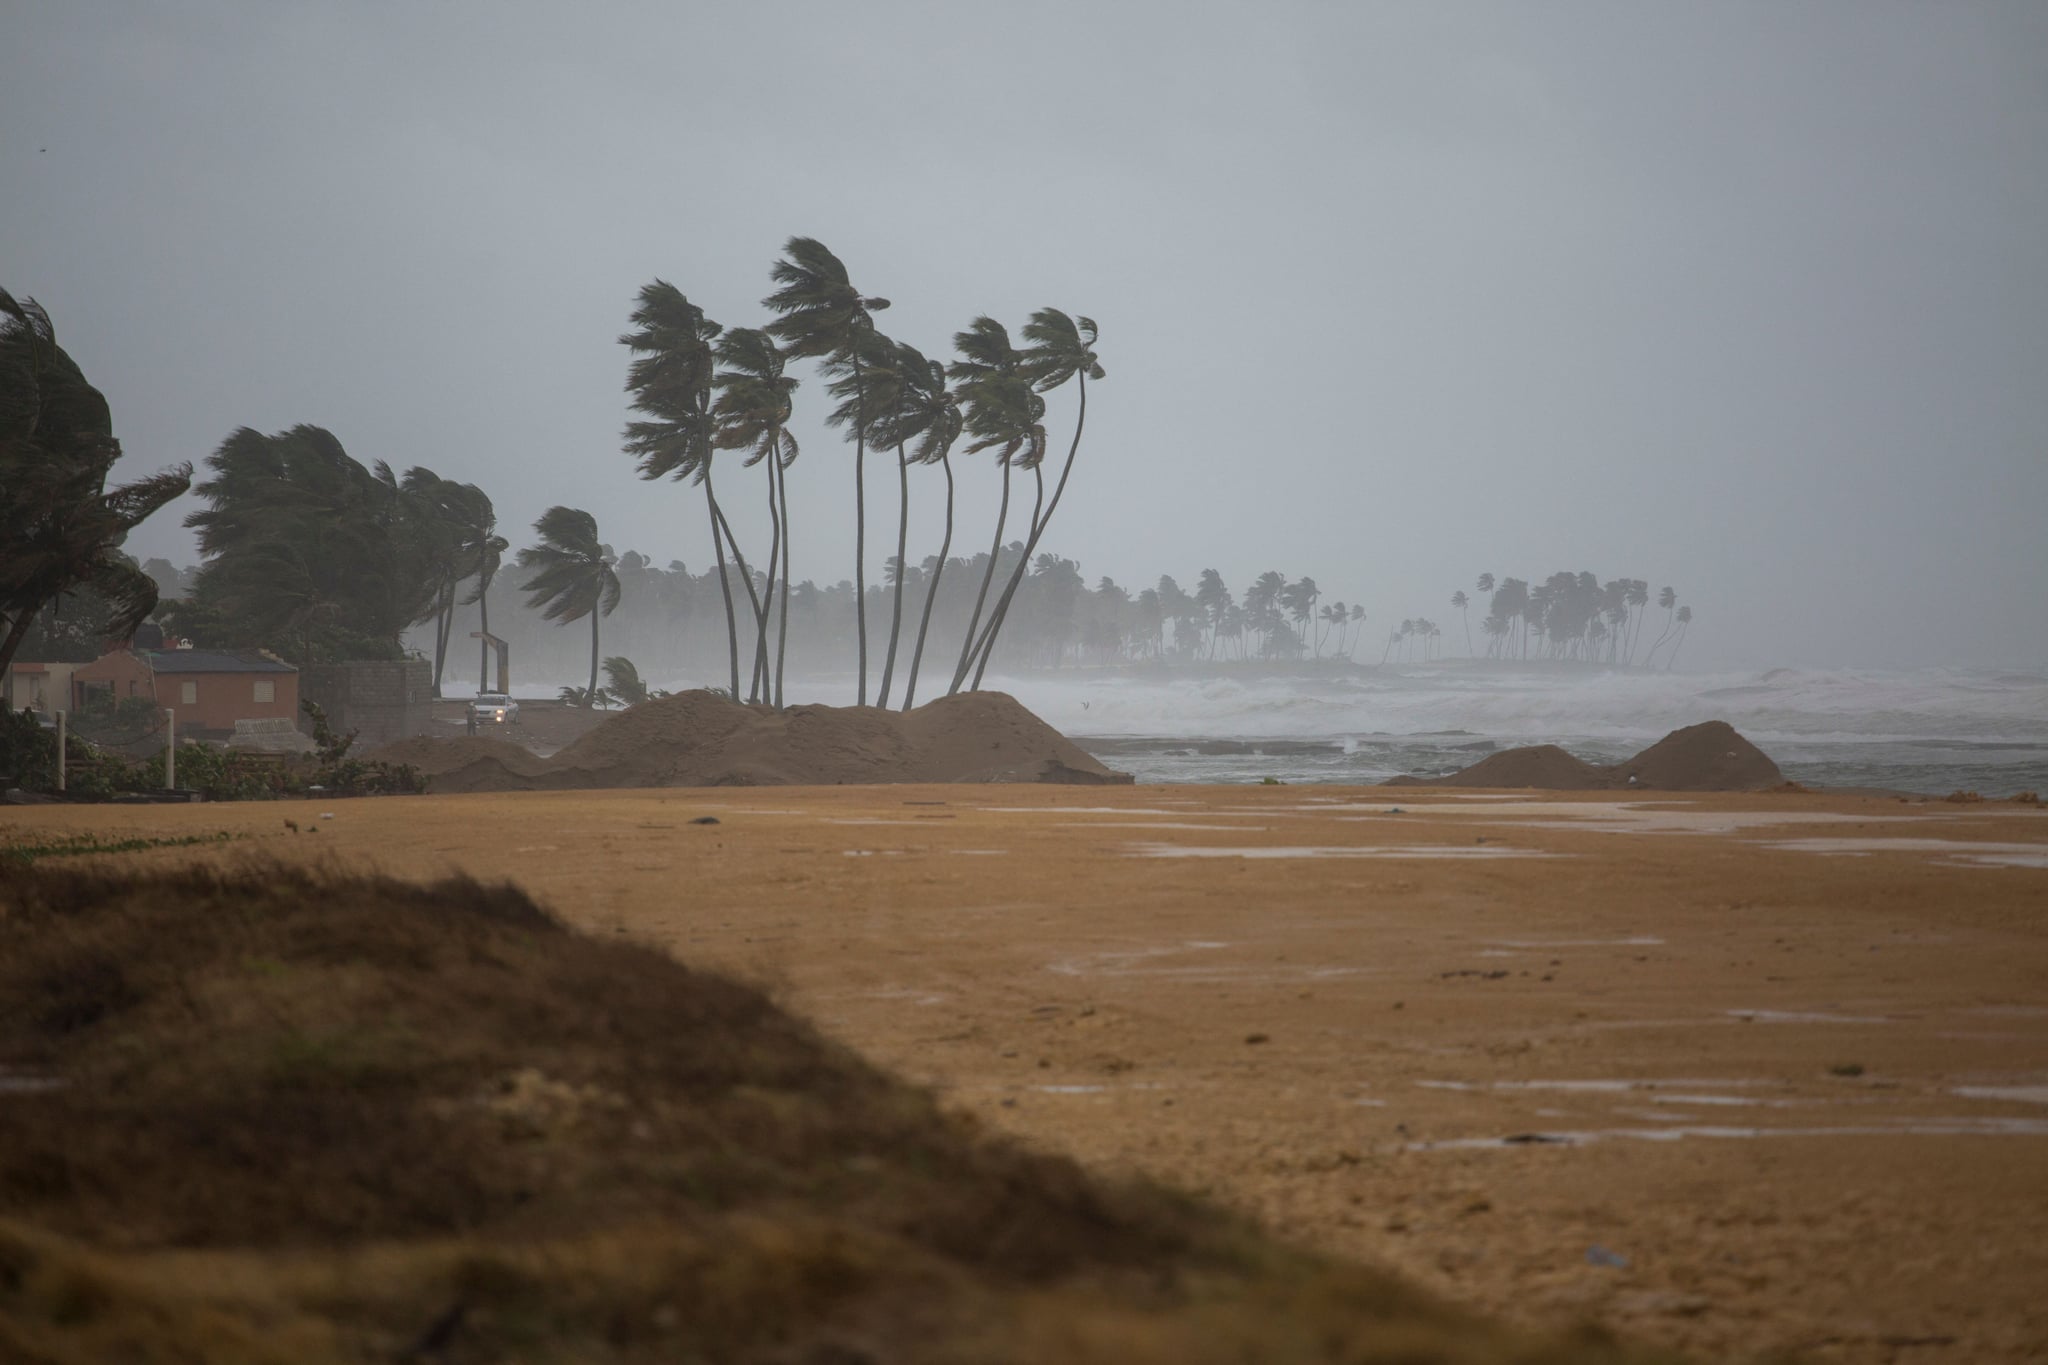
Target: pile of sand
<point x="1709" y="757"/>
<point x="700" y="739"/>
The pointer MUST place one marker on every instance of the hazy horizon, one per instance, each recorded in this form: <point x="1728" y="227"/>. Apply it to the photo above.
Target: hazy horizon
<point x="1745" y="299"/>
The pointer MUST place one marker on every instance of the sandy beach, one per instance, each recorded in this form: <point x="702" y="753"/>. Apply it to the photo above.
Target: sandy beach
<point x="1731" y="1073"/>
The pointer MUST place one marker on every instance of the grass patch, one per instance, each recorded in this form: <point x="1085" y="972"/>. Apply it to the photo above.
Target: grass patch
<point x="80" y="845"/>
<point x="307" y="1117"/>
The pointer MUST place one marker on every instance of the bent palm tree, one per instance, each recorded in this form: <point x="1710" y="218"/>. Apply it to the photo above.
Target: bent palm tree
<point x="670" y="380"/>
<point x="821" y="314"/>
<point x="752" y="414"/>
<point x="572" y="575"/>
<point x="1062" y="348"/>
<point x="1001" y="413"/>
<point x="927" y="419"/>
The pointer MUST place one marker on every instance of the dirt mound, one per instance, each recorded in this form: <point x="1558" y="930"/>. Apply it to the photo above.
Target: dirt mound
<point x="403" y="1122"/>
<point x="1543" y="765"/>
<point x="700" y="739"/>
<point x="465" y="763"/>
<point x="1709" y="757"/>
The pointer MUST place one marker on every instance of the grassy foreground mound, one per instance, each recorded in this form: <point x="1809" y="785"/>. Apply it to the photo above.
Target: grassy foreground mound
<point x="274" y="1115"/>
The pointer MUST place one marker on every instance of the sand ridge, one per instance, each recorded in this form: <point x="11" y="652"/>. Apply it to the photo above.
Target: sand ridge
<point x="702" y="739"/>
<point x="1708" y="757"/>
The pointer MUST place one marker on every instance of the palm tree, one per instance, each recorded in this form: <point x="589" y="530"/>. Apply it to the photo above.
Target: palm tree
<point x="490" y="556"/>
<point x="752" y="411"/>
<point x="1214" y="599"/>
<point x="572" y="575"/>
<point x="1667" y="599"/>
<point x="875" y="387"/>
<point x="1062" y="348"/>
<point x="1000" y="412"/>
<point x="62" y="527"/>
<point x="670" y="380"/>
<point x="820" y="314"/>
<point x="926" y="418"/>
<point x="1684" y="621"/>
<point x="1460" y="601"/>
<point x="623" y="681"/>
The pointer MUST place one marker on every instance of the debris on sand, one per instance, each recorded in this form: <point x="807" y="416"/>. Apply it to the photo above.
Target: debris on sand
<point x="702" y="739"/>
<point x="1709" y="757"/>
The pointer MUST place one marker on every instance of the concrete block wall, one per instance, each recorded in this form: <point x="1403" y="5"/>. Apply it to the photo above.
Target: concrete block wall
<point x="381" y="700"/>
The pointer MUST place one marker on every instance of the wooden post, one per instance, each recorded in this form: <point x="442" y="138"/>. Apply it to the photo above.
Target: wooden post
<point x="60" y="749"/>
<point x="170" y="749"/>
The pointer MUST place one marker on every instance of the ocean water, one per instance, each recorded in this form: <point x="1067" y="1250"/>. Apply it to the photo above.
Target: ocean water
<point x="1922" y="730"/>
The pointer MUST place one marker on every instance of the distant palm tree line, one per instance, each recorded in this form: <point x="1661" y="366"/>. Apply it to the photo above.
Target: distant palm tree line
<point x="702" y="389"/>
<point x="1568" y="616"/>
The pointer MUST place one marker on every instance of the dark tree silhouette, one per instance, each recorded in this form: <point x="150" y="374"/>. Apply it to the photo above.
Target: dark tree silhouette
<point x="572" y="576"/>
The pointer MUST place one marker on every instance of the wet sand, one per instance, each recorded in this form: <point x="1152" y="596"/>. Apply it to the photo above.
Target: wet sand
<point x="1734" y="1073"/>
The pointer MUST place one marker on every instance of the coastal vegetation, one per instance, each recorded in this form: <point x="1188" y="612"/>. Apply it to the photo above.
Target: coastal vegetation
<point x="61" y="525"/>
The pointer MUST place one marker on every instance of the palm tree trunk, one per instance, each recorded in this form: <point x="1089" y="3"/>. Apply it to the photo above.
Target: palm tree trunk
<point x="931" y="594"/>
<point x="1038" y="526"/>
<point x="1002" y="607"/>
<point x="746" y="581"/>
<point x="987" y="573"/>
<point x="860" y="523"/>
<point x="732" y="636"/>
<point x="902" y="571"/>
<point x="483" y="646"/>
<point x="761" y="686"/>
<point x="590" y="697"/>
<point x="782" y="623"/>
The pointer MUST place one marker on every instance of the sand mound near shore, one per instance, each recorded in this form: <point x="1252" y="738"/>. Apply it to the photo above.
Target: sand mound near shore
<point x="1709" y="757"/>
<point x="700" y="739"/>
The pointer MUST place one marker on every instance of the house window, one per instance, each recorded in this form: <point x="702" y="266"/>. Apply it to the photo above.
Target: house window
<point x="188" y="694"/>
<point x="266" y="690"/>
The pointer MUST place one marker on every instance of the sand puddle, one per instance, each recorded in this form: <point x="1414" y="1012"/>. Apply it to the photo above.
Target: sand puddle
<point x="1155" y="964"/>
<point x="2008" y="1094"/>
<point x="1475" y="852"/>
<point x="1603" y="1086"/>
<point x="1956" y="852"/>
<point x="1163" y="824"/>
<point x="1586" y="1137"/>
<point x="1077" y="810"/>
<point x="1803" y="1017"/>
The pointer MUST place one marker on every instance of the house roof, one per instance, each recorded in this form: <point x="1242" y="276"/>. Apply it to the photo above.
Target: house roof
<point x="209" y="661"/>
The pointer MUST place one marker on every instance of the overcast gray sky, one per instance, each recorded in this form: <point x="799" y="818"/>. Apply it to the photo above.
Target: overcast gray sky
<point x="1751" y="299"/>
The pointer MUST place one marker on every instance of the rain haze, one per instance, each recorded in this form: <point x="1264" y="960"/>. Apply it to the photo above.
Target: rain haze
<point x="1749" y="299"/>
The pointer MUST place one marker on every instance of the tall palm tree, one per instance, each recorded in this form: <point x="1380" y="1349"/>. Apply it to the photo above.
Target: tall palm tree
<point x="870" y="384"/>
<point x="572" y="575"/>
<point x="670" y="380"/>
<point x="1460" y="601"/>
<point x="1061" y="348"/>
<point x="490" y="557"/>
<point x="1684" y="622"/>
<point x="1000" y="412"/>
<point x="927" y="418"/>
<point x="821" y="315"/>
<point x="752" y="411"/>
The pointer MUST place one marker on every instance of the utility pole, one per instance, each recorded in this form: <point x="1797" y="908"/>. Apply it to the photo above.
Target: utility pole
<point x="170" y="749"/>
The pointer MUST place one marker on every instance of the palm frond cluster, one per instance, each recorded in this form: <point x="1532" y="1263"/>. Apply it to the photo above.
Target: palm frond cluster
<point x="701" y="389"/>
<point x="61" y="525"/>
